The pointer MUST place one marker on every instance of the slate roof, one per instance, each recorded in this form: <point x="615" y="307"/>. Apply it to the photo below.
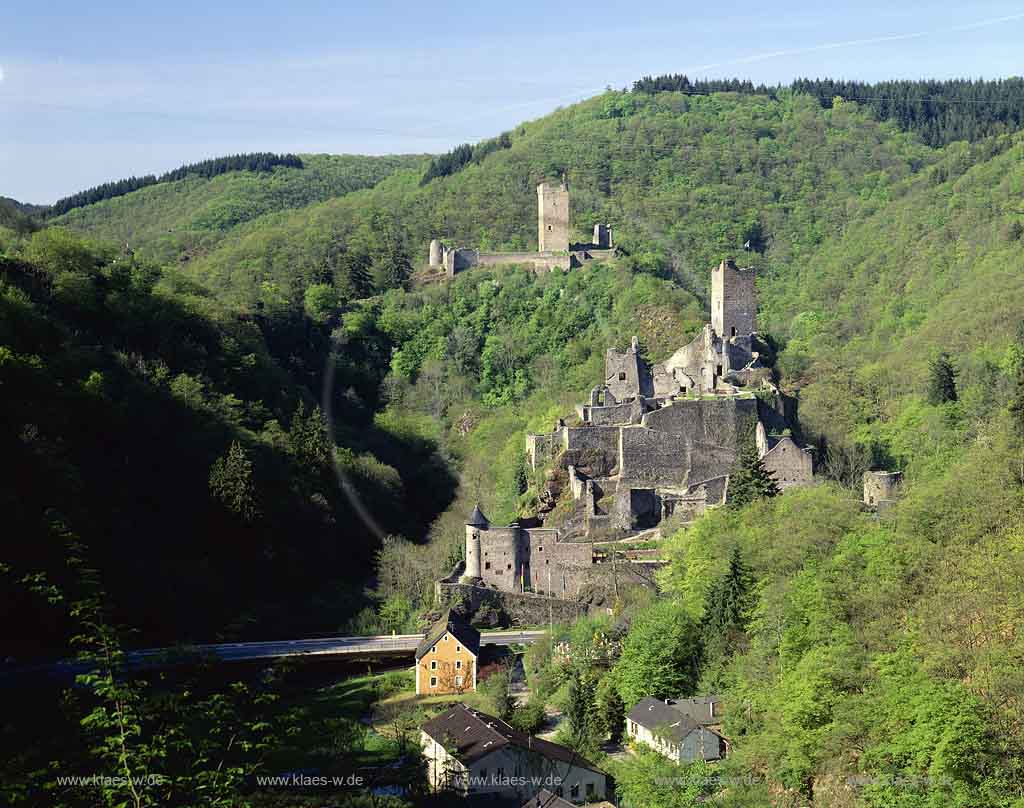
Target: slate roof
<point x="474" y="735"/>
<point x="477" y="518"/>
<point x="455" y="625"/>
<point x="674" y="718"/>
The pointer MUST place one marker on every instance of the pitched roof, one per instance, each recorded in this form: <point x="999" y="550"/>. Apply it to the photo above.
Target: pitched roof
<point x="474" y="735"/>
<point x="477" y="518"/>
<point x="452" y="623"/>
<point x="545" y="799"/>
<point x="675" y="718"/>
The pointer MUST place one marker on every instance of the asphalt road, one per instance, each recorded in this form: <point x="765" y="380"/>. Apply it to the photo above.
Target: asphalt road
<point x="331" y="646"/>
<point x="276" y="649"/>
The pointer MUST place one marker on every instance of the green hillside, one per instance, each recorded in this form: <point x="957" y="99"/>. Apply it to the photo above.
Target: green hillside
<point x="163" y="415"/>
<point x="181" y="449"/>
<point x="181" y="219"/>
<point x="683" y="178"/>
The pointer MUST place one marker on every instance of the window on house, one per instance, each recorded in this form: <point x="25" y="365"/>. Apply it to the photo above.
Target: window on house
<point x="445" y="638"/>
<point x="590" y="790"/>
<point x="458" y="681"/>
<point x="718" y="370"/>
<point x="622" y="377"/>
<point x="433" y="664"/>
<point x="433" y="681"/>
<point x="574" y="792"/>
<point x="734" y="331"/>
<point x="433" y="650"/>
<point x="540" y="549"/>
<point x="549" y="228"/>
<point x="458" y="648"/>
<point x="458" y="664"/>
<point x="487" y="565"/>
<point x="508" y="567"/>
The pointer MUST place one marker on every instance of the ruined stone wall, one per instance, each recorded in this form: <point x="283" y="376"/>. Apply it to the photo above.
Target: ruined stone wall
<point x="594" y="449"/>
<point x="733" y="300"/>
<point x="501" y="557"/>
<point x="719" y="421"/>
<point x="696" y="365"/>
<point x="628" y="413"/>
<point x="626" y="375"/>
<point x="542" y="448"/>
<point x="523" y="609"/>
<point x="558" y="568"/>
<point x="881" y="487"/>
<point x="653" y="459"/>
<point x="789" y="464"/>
<point x="709" y="461"/>
<point x="538" y="262"/>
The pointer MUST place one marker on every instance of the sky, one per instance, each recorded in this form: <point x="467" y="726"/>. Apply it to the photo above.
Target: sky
<point x="92" y="92"/>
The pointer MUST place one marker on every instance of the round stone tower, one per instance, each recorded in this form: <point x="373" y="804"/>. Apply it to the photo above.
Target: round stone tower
<point x="436" y="258"/>
<point x="477" y="522"/>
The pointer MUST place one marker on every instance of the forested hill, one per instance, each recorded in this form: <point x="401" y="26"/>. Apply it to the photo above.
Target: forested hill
<point x="152" y="435"/>
<point x="186" y="212"/>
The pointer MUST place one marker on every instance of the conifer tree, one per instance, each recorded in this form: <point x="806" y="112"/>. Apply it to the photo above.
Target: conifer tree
<point x="231" y="482"/>
<point x="725" y="618"/>
<point x="750" y="480"/>
<point x="942" y="380"/>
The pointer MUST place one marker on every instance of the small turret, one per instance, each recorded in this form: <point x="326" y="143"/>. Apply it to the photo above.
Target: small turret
<point x="477" y="522"/>
<point x="436" y="254"/>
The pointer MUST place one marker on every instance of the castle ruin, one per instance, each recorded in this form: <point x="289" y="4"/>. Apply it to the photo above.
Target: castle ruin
<point x="555" y="250"/>
<point x="651" y="442"/>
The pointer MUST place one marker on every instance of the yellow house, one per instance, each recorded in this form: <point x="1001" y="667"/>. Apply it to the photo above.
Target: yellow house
<point x="446" y="660"/>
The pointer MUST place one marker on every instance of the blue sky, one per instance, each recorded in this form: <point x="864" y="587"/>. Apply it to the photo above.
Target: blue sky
<point x="95" y="92"/>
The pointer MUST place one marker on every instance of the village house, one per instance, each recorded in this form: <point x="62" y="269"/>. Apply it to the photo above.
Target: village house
<point x="446" y="660"/>
<point x="682" y="730"/>
<point x="472" y="753"/>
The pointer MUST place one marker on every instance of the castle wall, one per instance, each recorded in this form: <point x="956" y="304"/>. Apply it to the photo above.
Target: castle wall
<point x="500" y="556"/>
<point x="653" y="459"/>
<point x="733" y="300"/>
<point x="709" y="461"/>
<point x="790" y="464"/>
<point x="717" y="421"/>
<point x="542" y="448"/>
<point x="628" y="413"/>
<point x="539" y="262"/>
<point x="523" y="609"/>
<point x="593" y="447"/>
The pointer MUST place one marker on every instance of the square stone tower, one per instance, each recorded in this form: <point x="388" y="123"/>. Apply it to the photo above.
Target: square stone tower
<point x="552" y="217"/>
<point x="733" y="300"/>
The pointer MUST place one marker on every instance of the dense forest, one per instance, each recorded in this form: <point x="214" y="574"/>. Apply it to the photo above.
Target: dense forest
<point x="864" y="660"/>
<point x="939" y="112"/>
<point x="259" y="161"/>
<point x="186" y="448"/>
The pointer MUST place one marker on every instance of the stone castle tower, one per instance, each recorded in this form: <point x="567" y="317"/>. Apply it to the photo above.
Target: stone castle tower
<point x="552" y="217"/>
<point x="733" y="300"/>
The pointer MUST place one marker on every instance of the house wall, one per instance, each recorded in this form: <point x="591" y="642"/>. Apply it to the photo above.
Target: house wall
<point x="701" y="744"/>
<point x="448" y="668"/>
<point x="512" y="770"/>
